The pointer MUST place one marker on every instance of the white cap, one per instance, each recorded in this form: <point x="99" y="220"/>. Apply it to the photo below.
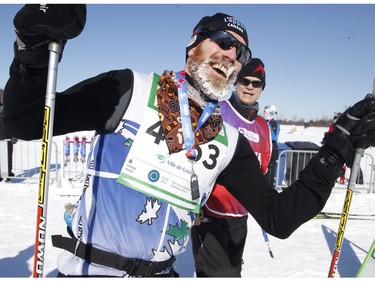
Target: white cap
<point x="269" y="112"/>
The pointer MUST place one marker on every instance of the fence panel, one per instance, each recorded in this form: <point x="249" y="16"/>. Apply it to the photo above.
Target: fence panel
<point x="291" y="162"/>
<point x="26" y="161"/>
<point x="69" y="175"/>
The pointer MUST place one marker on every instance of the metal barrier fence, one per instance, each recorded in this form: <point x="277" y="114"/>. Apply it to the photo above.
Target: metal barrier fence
<point x="25" y="159"/>
<point x="291" y="162"/>
<point x="69" y="175"/>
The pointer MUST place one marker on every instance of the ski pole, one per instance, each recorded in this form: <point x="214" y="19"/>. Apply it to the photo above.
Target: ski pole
<point x="370" y="254"/>
<point x="345" y="211"/>
<point x="49" y="110"/>
<point x="265" y="236"/>
<point x="348" y="199"/>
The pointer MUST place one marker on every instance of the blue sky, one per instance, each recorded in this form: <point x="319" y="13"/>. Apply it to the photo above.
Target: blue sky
<point x="319" y="58"/>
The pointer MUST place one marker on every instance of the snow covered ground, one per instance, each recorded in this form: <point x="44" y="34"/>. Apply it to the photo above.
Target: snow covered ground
<point x="306" y="253"/>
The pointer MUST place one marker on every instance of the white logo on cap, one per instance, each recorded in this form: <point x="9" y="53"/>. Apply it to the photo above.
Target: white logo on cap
<point x="233" y="22"/>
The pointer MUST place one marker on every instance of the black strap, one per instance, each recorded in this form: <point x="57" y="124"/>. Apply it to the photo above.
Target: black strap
<point x="133" y="267"/>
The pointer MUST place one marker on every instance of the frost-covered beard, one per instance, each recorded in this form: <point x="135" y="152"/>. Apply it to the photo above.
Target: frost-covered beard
<point x="211" y="86"/>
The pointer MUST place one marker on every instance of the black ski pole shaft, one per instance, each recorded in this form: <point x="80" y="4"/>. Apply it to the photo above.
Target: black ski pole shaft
<point x="345" y="211"/>
<point x="49" y="110"/>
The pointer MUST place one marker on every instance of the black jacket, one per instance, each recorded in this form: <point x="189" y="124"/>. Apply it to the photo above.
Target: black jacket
<point x="3" y="136"/>
<point x="103" y="99"/>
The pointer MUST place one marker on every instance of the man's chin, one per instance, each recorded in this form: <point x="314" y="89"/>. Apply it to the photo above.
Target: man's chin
<point x="216" y="92"/>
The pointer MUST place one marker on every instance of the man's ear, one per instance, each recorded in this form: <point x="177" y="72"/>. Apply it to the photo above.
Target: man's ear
<point x="191" y="52"/>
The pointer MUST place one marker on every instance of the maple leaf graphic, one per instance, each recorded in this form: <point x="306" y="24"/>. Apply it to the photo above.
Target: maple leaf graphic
<point x="177" y="232"/>
<point x="128" y="142"/>
<point x="151" y="208"/>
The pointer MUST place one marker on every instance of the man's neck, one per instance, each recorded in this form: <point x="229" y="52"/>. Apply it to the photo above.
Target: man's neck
<point x="249" y="112"/>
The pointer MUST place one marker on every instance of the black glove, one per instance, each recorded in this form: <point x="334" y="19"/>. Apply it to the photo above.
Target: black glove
<point x="37" y="25"/>
<point x="355" y="128"/>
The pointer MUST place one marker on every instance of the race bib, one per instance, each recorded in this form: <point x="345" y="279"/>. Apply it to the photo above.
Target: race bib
<point x="151" y="170"/>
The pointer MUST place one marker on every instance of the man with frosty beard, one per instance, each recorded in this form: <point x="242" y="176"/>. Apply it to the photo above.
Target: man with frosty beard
<point x="160" y="145"/>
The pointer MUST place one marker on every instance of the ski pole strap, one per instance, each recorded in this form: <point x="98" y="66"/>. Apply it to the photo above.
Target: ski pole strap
<point x="133" y="267"/>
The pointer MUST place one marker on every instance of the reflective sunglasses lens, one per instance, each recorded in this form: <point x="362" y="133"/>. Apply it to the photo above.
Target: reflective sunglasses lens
<point x="224" y="40"/>
<point x="244" y="81"/>
<point x="257" y="84"/>
<point x="243" y="54"/>
<point x="227" y="41"/>
<point x="247" y="82"/>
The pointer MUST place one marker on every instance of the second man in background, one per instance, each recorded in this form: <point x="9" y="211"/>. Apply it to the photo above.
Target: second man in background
<point x="219" y="240"/>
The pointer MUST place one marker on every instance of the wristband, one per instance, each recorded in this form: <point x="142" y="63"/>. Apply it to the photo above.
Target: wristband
<point x="33" y="58"/>
<point x="331" y="164"/>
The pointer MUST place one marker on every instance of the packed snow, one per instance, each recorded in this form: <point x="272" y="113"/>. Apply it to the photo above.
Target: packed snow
<point x="306" y="253"/>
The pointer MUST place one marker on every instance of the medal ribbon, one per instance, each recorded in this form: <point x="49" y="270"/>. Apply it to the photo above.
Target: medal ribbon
<point x="185" y="115"/>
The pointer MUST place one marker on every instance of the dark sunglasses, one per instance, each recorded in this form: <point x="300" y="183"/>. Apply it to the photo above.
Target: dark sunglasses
<point x="226" y="41"/>
<point x="246" y="82"/>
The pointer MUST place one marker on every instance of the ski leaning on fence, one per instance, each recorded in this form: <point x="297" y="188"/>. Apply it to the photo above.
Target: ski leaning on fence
<point x="67" y="149"/>
<point x="79" y="149"/>
<point x="83" y="149"/>
<point x="76" y="146"/>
